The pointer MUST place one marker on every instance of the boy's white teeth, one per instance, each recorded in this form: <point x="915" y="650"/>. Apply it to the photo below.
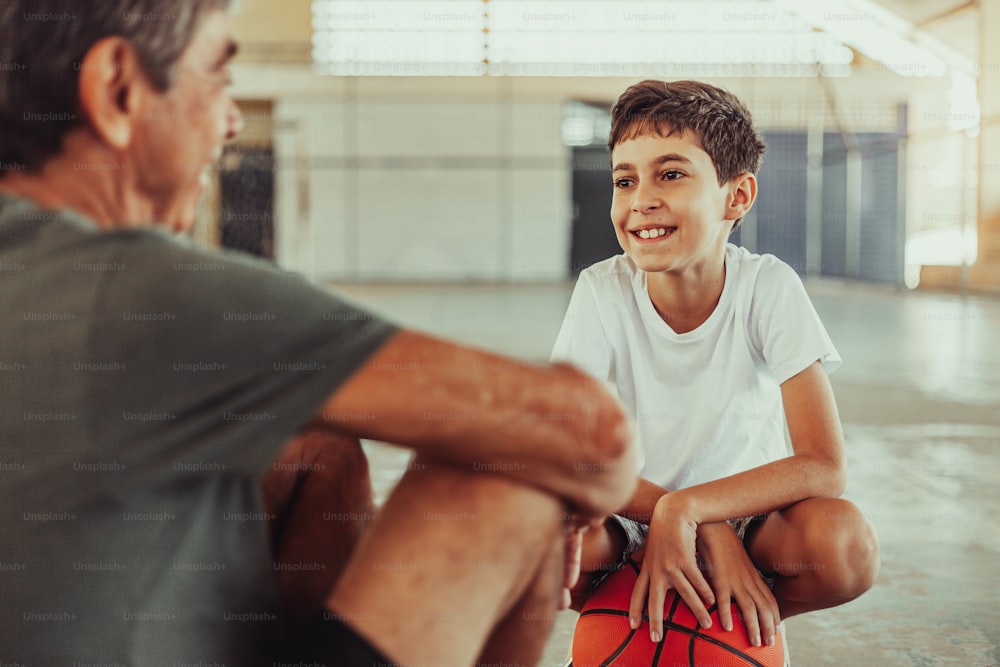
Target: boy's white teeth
<point x="652" y="233"/>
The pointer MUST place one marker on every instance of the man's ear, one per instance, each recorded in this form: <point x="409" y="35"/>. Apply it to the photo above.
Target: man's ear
<point x="742" y="194"/>
<point x="112" y="84"/>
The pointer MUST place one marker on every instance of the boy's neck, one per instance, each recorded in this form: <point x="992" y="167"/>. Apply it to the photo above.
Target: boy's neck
<point x="685" y="300"/>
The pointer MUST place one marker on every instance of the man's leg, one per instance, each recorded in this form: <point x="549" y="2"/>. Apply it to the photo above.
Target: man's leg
<point x="321" y="496"/>
<point x="823" y="551"/>
<point x="520" y="638"/>
<point x="457" y="567"/>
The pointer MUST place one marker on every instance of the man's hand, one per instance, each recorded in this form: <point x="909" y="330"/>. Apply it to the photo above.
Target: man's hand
<point x="669" y="561"/>
<point x="735" y="579"/>
<point x="574" y="556"/>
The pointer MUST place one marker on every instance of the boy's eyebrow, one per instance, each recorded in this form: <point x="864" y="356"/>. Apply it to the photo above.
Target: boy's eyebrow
<point x="669" y="157"/>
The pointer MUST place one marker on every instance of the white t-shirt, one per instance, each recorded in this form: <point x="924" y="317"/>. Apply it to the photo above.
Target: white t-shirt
<point x="705" y="404"/>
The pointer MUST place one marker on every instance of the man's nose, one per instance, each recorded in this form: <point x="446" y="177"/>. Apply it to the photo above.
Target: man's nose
<point x="234" y="120"/>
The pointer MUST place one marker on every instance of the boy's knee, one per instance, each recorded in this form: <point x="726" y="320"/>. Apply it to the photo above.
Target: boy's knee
<point x="845" y="544"/>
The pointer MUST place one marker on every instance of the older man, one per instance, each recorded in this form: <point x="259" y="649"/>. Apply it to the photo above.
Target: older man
<point x="148" y="386"/>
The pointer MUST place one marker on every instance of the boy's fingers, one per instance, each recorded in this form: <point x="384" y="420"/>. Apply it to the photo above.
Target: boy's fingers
<point x="701" y="585"/>
<point x="772" y="617"/>
<point x="694" y="602"/>
<point x="657" y="595"/>
<point x="638" y="600"/>
<point x="750" y="619"/>
<point x="725" y="611"/>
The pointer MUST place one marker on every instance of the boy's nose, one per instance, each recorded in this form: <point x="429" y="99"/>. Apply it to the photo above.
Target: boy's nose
<point x="645" y="202"/>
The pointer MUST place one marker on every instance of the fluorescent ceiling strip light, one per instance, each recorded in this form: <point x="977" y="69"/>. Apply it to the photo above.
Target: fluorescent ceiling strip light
<point x="881" y="35"/>
<point x="561" y="38"/>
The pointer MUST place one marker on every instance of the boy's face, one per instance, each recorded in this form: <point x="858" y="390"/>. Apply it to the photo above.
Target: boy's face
<point x="669" y="211"/>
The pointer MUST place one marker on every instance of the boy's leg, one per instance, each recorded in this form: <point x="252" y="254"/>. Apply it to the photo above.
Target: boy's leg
<point x="823" y="551"/>
<point x="453" y="559"/>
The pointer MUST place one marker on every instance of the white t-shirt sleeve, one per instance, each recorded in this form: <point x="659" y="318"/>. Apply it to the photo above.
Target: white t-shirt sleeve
<point x="789" y="333"/>
<point x="582" y="340"/>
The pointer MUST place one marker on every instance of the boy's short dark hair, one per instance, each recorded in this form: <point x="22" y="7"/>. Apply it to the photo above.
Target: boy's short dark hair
<point x="719" y="120"/>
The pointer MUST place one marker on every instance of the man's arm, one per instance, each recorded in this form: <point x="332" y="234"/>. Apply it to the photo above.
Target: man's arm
<point x="551" y="426"/>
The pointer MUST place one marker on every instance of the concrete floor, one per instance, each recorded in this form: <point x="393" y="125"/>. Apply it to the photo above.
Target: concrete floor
<point x="919" y="396"/>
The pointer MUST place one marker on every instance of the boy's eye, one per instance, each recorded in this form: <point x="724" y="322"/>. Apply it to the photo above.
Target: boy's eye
<point x="623" y="182"/>
<point x="672" y="175"/>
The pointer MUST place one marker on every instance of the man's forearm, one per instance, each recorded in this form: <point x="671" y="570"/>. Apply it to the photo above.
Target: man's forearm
<point x="548" y="425"/>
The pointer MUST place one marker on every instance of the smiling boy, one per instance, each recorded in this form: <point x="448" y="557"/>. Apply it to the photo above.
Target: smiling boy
<point x="713" y="351"/>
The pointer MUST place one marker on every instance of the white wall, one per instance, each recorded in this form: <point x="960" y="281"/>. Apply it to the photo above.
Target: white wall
<point x="415" y="189"/>
<point x="437" y="179"/>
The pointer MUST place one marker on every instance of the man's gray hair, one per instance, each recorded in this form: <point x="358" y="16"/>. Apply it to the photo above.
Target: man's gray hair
<point x="42" y="47"/>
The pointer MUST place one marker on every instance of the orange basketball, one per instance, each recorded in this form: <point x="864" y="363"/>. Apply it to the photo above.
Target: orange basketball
<point x="603" y="637"/>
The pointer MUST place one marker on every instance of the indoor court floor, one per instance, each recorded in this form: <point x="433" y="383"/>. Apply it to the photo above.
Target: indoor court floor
<point x="919" y="397"/>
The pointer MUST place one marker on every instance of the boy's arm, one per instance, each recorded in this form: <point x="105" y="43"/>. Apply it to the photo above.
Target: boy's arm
<point x="640" y="506"/>
<point x="816" y="468"/>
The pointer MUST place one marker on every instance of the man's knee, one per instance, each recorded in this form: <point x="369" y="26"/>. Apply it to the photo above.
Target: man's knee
<point x="511" y="501"/>
<point x="320" y="454"/>
<point x="318" y="492"/>
<point x="843" y="548"/>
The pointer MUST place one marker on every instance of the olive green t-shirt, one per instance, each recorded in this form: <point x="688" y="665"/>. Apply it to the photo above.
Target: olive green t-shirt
<point x="145" y="388"/>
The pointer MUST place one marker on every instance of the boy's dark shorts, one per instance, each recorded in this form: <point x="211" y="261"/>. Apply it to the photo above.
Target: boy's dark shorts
<point x="635" y="539"/>
<point x="329" y="642"/>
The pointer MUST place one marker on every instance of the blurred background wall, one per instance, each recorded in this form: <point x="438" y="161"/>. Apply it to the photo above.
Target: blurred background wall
<point x="361" y="162"/>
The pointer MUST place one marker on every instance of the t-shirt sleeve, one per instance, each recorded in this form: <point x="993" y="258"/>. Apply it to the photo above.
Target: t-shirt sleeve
<point x="789" y="332"/>
<point x="215" y="360"/>
<point x="582" y="340"/>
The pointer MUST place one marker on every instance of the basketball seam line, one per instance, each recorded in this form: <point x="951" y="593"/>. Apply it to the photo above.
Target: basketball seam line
<point x="619" y="650"/>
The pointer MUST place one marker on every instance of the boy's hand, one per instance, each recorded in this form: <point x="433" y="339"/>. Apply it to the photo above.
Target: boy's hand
<point x="735" y="578"/>
<point x="669" y="562"/>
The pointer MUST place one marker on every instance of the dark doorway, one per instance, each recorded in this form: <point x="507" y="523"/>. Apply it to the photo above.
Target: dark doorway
<point x="246" y="184"/>
<point x="593" y="237"/>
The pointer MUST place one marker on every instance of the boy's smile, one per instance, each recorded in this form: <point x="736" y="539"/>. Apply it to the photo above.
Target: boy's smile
<point x="668" y="209"/>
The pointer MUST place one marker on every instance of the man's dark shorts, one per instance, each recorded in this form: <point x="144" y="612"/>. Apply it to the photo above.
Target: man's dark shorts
<point x="329" y="642"/>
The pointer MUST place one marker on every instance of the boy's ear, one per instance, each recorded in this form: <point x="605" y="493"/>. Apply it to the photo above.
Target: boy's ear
<point x="742" y="194"/>
<point x="112" y="84"/>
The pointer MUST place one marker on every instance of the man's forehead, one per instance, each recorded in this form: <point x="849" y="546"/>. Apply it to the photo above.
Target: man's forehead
<point x="215" y="37"/>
